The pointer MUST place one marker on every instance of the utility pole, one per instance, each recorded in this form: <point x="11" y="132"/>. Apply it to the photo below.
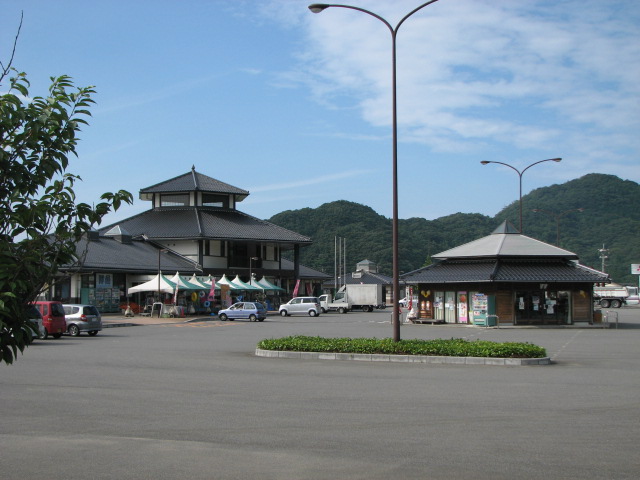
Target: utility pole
<point x="604" y="256"/>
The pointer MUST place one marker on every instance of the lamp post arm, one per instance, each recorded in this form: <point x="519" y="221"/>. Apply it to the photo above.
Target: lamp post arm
<point x="351" y="7"/>
<point x="412" y="12"/>
<point x="510" y="166"/>
<point x="318" y="7"/>
<point x="540" y="161"/>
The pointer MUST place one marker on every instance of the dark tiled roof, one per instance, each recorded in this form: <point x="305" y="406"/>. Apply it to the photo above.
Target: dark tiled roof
<point x="108" y="254"/>
<point x="206" y="222"/>
<point x="305" y="272"/>
<point x="368" y="278"/>
<point x="194" y="181"/>
<point x="453" y="271"/>
<point x="503" y="270"/>
<point x="543" y="271"/>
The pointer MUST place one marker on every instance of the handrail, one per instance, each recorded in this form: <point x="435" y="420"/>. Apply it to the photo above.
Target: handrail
<point x="605" y="318"/>
<point x="486" y="322"/>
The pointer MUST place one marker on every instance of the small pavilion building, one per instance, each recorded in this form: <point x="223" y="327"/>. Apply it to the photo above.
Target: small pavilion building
<point x="505" y="278"/>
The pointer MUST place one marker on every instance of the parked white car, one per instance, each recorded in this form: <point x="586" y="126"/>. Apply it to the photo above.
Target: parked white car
<point x="301" y="306"/>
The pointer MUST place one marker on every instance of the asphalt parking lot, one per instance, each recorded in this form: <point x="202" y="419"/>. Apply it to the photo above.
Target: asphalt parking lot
<point x="191" y="400"/>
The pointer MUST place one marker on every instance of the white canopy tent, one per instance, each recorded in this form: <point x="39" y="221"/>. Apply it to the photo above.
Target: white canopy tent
<point x="266" y="285"/>
<point x="245" y="286"/>
<point x="183" y="283"/>
<point x="194" y="280"/>
<point x="157" y="283"/>
<point x="225" y="281"/>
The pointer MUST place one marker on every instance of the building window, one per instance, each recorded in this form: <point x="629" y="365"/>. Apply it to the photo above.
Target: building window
<point x="214" y="248"/>
<point x="105" y="280"/>
<point x="270" y="252"/>
<point x="213" y="200"/>
<point x="175" y="200"/>
<point x="88" y="280"/>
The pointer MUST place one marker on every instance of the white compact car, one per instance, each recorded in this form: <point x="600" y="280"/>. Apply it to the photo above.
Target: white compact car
<point x="301" y="306"/>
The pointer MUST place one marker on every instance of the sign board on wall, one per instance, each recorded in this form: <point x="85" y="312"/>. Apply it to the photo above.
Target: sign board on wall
<point x="635" y="268"/>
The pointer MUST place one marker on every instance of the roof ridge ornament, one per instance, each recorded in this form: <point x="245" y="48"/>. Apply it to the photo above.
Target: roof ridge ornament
<point x="194" y="175"/>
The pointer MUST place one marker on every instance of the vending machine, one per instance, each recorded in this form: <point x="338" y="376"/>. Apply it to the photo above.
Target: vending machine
<point x="483" y="309"/>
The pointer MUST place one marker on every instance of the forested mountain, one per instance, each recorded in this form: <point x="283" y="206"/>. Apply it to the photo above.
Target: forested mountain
<point x="610" y="218"/>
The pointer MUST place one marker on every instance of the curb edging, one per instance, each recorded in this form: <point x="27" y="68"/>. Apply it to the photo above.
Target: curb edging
<point x="363" y="357"/>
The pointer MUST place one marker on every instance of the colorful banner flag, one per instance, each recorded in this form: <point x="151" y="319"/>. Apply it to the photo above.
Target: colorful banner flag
<point x="212" y="293"/>
<point x="295" y="290"/>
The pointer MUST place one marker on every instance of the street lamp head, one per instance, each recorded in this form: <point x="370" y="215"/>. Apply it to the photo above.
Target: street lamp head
<point x="318" y="7"/>
<point x="485" y="162"/>
<point x="556" y="159"/>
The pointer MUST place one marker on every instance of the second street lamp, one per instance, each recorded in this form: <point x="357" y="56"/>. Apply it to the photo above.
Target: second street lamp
<point x="319" y="7"/>
<point x="520" y="173"/>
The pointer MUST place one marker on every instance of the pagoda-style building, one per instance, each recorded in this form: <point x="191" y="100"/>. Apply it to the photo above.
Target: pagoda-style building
<point x="505" y="278"/>
<point x="197" y="217"/>
<point x="193" y="227"/>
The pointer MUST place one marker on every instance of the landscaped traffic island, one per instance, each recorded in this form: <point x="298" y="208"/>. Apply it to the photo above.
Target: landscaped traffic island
<point x="458" y="351"/>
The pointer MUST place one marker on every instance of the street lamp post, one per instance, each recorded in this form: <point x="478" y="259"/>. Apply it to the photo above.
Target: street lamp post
<point x="520" y="173"/>
<point x="557" y="217"/>
<point x="319" y="7"/>
<point x="160" y="250"/>
<point x="251" y="259"/>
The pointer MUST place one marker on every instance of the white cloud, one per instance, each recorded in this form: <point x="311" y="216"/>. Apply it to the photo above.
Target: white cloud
<point x="309" y="181"/>
<point x="477" y="71"/>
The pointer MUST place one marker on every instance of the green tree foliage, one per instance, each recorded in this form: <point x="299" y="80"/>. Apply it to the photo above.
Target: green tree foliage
<point x="610" y="216"/>
<point x="40" y="220"/>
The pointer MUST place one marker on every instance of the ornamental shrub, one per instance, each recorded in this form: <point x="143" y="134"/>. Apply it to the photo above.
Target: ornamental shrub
<point x="455" y="347"/>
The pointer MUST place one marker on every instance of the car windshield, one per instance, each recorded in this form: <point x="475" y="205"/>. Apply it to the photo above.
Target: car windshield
<point x="91" y="310"/>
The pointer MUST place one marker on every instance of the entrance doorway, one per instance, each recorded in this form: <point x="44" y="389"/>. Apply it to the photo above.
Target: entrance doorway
<point x="542" y="307"/>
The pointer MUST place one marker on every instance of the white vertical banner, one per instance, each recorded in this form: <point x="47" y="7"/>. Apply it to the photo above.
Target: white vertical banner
<point x="175" y="296"/>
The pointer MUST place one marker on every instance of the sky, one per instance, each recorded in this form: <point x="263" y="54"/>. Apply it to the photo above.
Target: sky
<point x="295" y="107"/>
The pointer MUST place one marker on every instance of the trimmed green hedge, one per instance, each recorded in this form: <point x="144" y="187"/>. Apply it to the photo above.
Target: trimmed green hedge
<point x="450" y="348"/>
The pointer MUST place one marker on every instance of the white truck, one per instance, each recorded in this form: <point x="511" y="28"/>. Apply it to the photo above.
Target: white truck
<point x="356" y="296"/>
<point x="327" y="304"/>
<point x="610" y="295"/>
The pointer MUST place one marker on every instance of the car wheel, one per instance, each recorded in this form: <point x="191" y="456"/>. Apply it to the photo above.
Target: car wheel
<point x="342" y="310"/>
<point x="616" y="303"/>
<point x="283" y="313"/>
<point x="93" y="333"/>
<point x="324" y="310"/>
<point x="73" y="330"/>
<point x="312" y="313"/>
<point x="45" y="335"/>
<point x="223" y="317"/>
<point x="56" y="335"/>
<point x="604" y="303"/>
<point x="252" y="318"/>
